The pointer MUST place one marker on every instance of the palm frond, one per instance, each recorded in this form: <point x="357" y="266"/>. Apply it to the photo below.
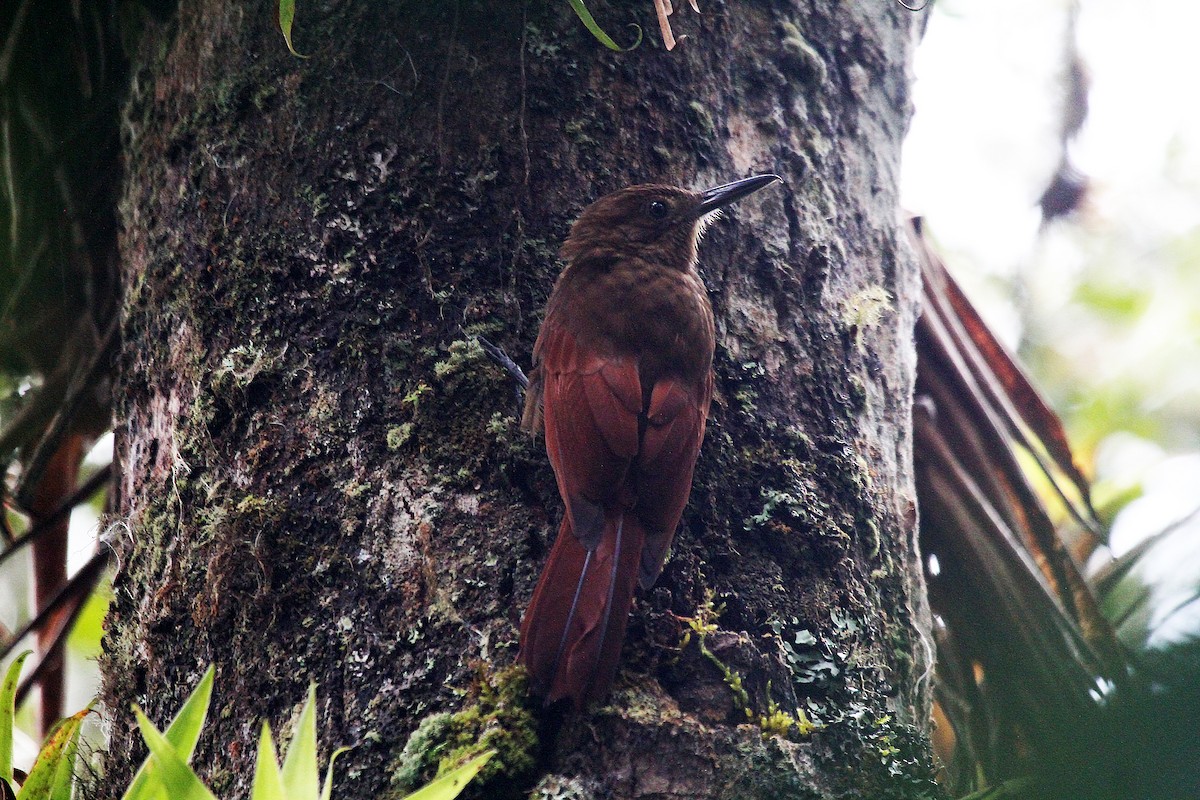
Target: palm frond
<point x="1025" y="653"/>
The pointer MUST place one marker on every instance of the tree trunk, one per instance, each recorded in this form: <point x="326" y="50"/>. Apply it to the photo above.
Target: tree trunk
<point x="323" y="476"/>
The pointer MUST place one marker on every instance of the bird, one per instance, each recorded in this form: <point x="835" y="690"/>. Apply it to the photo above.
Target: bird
<point x="620" y="387"/>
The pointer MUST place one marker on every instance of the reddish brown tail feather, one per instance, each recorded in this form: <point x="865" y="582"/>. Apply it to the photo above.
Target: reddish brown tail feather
<point x="575" y="624"/>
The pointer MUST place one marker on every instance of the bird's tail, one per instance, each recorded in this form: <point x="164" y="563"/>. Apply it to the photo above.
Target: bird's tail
<point x="573" y="629"/>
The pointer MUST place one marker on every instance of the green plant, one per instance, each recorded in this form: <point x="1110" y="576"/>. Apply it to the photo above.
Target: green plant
<point x="452" y="783"/>
<point x="181" y="737"/>
<point x="287" y="13"/>
<point x="166" y="774"/>
<point x="8" y="692"/>
<point x="589" y="22"/>
<point x="169" y="777"/>
<point x="50" y="777"/>
<point x="776" y="721"/>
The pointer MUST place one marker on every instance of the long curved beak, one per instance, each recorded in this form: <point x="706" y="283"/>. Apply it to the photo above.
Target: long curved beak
<point x="721" y="196"/>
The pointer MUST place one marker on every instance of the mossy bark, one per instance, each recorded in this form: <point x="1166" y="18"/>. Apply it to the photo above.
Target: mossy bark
<point x="323" y="477"/>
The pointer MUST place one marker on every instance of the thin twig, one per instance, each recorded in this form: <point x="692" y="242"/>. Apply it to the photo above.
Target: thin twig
<point x="498" y="355"/>
<point x="77" y="392"/>
<point x="72" y="597"/>
<point x="85" y="490"/>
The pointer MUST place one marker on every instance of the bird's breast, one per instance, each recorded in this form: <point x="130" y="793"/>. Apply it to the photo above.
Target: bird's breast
<point x="660" y="316"/>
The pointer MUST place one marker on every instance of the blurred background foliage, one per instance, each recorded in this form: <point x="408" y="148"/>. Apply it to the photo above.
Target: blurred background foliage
<point x="1101" y="304"/>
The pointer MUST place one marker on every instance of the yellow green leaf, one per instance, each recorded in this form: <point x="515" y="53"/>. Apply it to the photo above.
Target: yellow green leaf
<point x="589" y="22"/>
<point x="268" y="783"/>
<point x="287" y="14"/>
<point x="59" y="745"/>
<point x="8" y="694"/>
<point x="327" y="789"/>
<point x="182" y="733"/>
<point x="168" y="766"/>
<point x="451" y="784"/>
<point x="301" y="775"/>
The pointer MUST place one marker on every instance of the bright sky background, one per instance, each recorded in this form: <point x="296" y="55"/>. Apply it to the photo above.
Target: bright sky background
<point x="982" y="147"/>
<point x="983" y="143"/>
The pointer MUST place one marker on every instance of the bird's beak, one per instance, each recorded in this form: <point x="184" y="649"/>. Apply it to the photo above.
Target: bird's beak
<point x="721" y="196"/>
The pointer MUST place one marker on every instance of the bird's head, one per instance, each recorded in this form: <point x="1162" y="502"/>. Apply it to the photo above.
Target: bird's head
<point x="653" y="221"/>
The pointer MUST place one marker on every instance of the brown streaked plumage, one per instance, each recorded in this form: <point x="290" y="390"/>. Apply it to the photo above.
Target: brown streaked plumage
<point x="621" y="386"/>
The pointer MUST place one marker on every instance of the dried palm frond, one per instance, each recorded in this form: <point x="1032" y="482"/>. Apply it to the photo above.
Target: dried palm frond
<point x="1041" y="697"/>
<point x="1024" y="652"/>
<point x="663" y="9"/>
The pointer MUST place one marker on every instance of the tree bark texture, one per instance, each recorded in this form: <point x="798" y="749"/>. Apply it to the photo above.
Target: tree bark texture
<point x="323" y="477"/>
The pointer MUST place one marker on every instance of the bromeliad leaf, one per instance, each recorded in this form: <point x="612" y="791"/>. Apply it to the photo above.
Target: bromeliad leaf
<point x="451" y="784"/>
<point x="268" y="783"/>
<point x="589" y="22"/>
<point x="327" y="788"/>
<point x="301" y="776"/>
<point x="64" y="773"/>
<point x="178" y="780"/>
<point x="182" y="733"/>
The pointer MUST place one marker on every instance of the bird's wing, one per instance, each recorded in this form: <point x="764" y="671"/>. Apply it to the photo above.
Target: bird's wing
<point x="590" y="405"/>
<point x="675" y="427"/>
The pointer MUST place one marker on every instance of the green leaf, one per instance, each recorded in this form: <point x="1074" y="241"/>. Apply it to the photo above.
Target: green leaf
<point x="179" y="781"/>
<point x="268" y="783"/>
<point x="301" y="775"/>
<point x="287" y="14"/>
<point x="182" y="733"/>
<point x="327" y="790"/>
<point x="8" y="694"/>
<point x="589" y="22"/>
<point x="42" y="783"/>
<point x="449" y="785"/>
<point x="64" y="776"/>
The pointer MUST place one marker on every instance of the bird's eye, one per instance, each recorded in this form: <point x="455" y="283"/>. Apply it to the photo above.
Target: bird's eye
<point x="658" y="209"/>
